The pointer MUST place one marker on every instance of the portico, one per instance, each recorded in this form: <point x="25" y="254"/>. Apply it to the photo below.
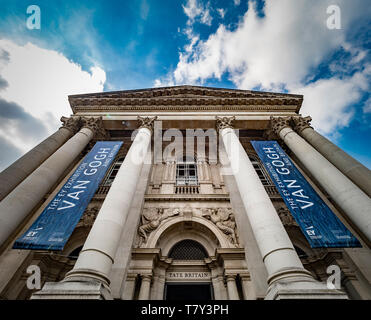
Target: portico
<point x="164" y="220"/>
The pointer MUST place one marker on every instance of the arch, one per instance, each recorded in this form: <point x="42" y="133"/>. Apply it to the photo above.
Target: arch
<point x="166" y="230"/>
<point x="188" y="250"/>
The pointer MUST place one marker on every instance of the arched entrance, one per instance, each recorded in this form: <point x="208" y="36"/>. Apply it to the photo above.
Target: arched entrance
<point x="187" y="259"/>
<point x="188" y="277"/>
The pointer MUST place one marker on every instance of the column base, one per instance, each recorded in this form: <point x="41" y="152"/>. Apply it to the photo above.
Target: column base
<point x="73" y="290"/>
<point x="303" y="290"/>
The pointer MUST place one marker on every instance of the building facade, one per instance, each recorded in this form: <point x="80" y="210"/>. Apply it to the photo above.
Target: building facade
<point x="172" y="218"/>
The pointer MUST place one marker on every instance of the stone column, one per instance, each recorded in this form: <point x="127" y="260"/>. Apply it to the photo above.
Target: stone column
<point x="247" y="288"/>
<point x="349" y="166"/>
<point x="22" y="200"/>
<point x="97" y="256"/>
<point x="352" y="200"/>
<point x="232" y="288"/>
<point x="285" y="270"/>
<point x="145" y="288"/>
<point x="20" y="169"/>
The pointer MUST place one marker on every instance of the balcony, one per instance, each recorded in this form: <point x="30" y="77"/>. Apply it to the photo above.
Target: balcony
<point x="187" y="189"/>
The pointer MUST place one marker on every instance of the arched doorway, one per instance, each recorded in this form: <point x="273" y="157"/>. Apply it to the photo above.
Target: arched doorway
<point x="188" y="278"/>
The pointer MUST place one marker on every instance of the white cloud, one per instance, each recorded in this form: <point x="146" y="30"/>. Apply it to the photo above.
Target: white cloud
<point x="281" y="50"/>
<point x="221" y="12"/>
<point x="327" y="101"/>
<point x="195" y="11"/>
<point x="237" y="2"/>
<point x="367" y="106"/>
<point x="39" y="82"/>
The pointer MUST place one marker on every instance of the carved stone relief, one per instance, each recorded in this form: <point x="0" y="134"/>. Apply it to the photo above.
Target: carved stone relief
<point x="88" y="217"/>
<point x="152" y="218"/>
<point x="223" y="218"/>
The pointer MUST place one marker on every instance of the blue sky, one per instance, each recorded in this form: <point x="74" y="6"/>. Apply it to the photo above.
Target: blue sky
<point x="91" y="46"/>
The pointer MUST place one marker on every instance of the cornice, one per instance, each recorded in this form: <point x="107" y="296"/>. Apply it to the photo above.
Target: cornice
<point x="184" y="98"/>
<point x="185" y="90"/>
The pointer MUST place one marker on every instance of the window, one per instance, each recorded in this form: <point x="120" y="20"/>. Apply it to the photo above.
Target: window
<point x="186" y="173"/>
<point x="188" y="250"/>
<point x="113" y="172"/>
<point x="260" y="171"/>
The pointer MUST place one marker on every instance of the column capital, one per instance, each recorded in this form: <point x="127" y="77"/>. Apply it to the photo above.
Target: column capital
<point x="230" y="277"/>
<point x="147" y="122"/>
<point x="279" y="123"/>
<point x="301" y="123"/>
<point x="95" y="124"/>
<point x="72" y="123"/>
<point x="146" y="277"/>
<point x="224" y="122"/>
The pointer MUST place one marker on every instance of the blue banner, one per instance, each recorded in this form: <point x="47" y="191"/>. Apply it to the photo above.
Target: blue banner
<point x="56" y="223"/>
<point x="318" y="223"/>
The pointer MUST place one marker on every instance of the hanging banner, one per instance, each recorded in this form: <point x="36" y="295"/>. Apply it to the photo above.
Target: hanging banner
<point x="56" y="223"/>
<point x="319" y="224"/>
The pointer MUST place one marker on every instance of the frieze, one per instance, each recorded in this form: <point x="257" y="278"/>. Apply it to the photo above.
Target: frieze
<point x="153" y="217"/>
<point x="94" y="107"/>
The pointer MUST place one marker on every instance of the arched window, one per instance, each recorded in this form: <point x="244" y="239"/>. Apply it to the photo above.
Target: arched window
<point x="188" y="250"/>
<point x="113" y="172"/>
<point x="260" y="171"/>
<point x="186" y="172"/>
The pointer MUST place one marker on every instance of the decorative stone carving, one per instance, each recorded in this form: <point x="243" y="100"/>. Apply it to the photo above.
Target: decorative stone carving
<point x="223" y="218"/>
<point x="146" y="122"/>
<point x="279" y="123"/>
<point x="224" y="122"/>
<point x="301" y="123"/>
<point x="286" y="217"/>
<point x="95" y="124"/>
<point x="151" y="219"/>
<point x="88" y="217"/>
<point x="186" y="97"/>
<point x="72" y="123"/>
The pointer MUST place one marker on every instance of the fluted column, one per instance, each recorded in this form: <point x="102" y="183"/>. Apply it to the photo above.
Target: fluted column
<point x="232" y="288"/>
<point x="15" y="207"/>
<point x="97" y="256"/>
<point x="349" y="166"/>
<point x="278" y="253"/>
<point x="20" y="169"/>
<point x="145" y="288"/>
<point x="352" y="200"/>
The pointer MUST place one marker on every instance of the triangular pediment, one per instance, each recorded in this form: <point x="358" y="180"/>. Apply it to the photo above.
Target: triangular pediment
<point x="186" y="96"/>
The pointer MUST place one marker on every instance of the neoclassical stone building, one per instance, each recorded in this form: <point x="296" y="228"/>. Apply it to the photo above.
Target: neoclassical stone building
<point x="184" y="224"/>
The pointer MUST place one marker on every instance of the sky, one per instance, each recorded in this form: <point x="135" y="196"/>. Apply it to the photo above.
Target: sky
<point x="318" y="48"/>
